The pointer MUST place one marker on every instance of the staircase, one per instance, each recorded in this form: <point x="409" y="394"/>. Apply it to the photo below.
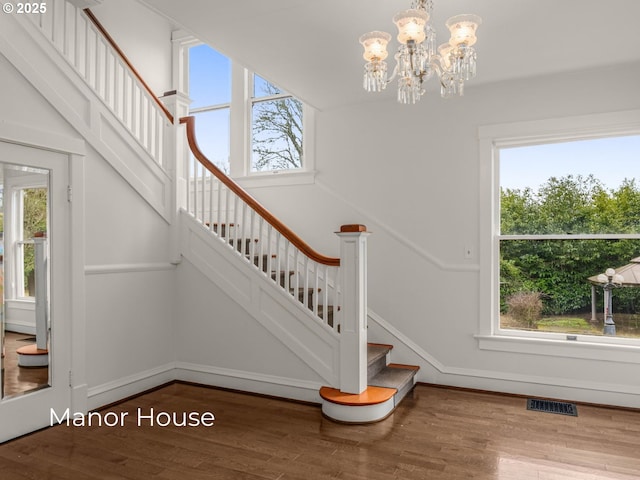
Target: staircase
<point x="388" y="383"/>
<point x="314" y="304"/>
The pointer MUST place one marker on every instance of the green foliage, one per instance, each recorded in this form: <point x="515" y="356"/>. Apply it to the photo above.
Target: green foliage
<point x="34" y="221"/>
<point x="559" y="269"/>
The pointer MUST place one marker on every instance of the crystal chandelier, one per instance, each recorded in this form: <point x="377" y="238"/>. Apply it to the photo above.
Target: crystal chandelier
<point x="417" y="58"/>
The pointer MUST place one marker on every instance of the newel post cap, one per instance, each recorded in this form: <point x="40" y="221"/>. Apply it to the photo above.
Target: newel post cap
<point x="353" y="228"/>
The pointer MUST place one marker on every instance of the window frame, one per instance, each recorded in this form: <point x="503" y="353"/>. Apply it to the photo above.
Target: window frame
<point x="240" y="127"/>
<point x="252" y="102"/>
<point x="491" y="139"/>
<point x="13" y="238"/>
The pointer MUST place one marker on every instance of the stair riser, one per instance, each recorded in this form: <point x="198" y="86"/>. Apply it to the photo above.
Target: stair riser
<point x="374" y="368"/>
<point x="404" y="390"/>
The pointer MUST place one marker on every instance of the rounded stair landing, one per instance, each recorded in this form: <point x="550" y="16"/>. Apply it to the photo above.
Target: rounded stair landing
<point x="32" y="356"/>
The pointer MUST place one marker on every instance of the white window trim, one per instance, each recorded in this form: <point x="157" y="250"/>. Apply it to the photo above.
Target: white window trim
<point x="240" y="123"/>
<point x="13" y="241"/>
<point x="491" y="139"/>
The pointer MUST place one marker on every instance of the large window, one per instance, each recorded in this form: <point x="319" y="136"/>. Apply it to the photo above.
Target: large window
<point x="568" y="212"/>
<point x="245" y="124"/>
<point x="560" y="205"/>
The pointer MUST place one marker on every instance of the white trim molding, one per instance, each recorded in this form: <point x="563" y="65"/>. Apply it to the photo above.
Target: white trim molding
<point x="493" y="137"/>
<point x="250" y="382"/>
<point x="127" y="268"/>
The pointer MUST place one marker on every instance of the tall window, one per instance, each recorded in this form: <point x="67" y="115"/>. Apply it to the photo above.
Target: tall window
<point x="244" y="124"/>
<point x="276" y="125"/>
<point x="210" y="93"/>
<point x="568" y="211"/>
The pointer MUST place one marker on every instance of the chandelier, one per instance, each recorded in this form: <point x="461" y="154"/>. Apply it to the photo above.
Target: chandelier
<point x="417" y="59"/>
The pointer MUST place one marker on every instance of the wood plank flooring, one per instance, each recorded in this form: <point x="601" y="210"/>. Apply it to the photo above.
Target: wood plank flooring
<point x="435" y="434"/>
<point x="17" y="379"/>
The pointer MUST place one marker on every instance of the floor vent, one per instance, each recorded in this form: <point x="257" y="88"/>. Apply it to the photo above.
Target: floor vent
<point x="549" y="406"/>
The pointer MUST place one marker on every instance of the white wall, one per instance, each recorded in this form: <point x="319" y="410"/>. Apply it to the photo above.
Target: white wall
<point x="128" y="278"/>
<point x="411" y="174"/>
<point x="144" y="37"/>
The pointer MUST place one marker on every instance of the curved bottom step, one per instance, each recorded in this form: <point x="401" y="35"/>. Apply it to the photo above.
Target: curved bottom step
<point x="372" y="405"/>
<point x="32" y="356"/>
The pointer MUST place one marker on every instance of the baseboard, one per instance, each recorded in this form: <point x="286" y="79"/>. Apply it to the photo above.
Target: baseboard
<point x="18" y="327"/>
<point x="250" y="382"/>
<point x="79" y="398"/>
<point x="112" y="392"/>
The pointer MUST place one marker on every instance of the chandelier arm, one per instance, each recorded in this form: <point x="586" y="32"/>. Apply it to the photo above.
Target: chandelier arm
<point x="435" y="65"/>
<point x="393" y="75"/>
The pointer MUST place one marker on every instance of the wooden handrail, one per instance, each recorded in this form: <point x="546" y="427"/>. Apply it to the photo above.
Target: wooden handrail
<point x="124" y="58"/>
<point x="252" y="202"/>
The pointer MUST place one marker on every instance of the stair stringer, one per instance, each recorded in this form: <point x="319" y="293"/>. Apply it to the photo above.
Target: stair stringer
<point x="314" y="343"/>
<point x="405" y="350"/>
<point x="66" y="91"/>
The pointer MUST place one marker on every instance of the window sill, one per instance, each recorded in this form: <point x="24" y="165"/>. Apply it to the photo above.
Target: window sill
<point x="582" y="348"/>
<point x="276" y="179"/>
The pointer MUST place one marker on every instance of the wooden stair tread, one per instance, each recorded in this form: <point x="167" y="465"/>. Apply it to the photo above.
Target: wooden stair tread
<point x="371" y="396"/>
<point x="401" y="365"/>
<point x="31" y="350"/>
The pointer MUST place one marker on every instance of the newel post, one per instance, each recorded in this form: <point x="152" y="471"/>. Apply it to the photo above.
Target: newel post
<point x="177" y="150"/>
<point x="353" y="308"/>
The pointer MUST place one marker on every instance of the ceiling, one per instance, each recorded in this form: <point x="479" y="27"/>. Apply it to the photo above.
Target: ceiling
<point x="311" y="49"/>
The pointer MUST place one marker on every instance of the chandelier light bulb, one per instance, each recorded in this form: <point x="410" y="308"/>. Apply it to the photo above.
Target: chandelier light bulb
<point x="444" y="51"/>
<point x="610" y="272"/>
<point x="375" y="45"/>
<point x="463" y="29"/>
<point x="411" y="25"/>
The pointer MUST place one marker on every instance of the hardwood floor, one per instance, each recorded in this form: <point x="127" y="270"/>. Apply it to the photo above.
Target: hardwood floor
<point x="435" y="434"/>
<point x="17" y="379"/>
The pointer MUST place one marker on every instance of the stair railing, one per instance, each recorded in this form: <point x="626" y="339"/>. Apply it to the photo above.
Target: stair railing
<point x="86" y="45"/>
<point x="239" y="220"/>
<point x="333" y="289"/>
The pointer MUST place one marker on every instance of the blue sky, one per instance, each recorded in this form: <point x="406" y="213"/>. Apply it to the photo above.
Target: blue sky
<point x="609" y="159"/>
<point x="210" y="84"/>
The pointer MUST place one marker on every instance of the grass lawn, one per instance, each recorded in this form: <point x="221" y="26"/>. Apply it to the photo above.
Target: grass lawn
<point x="626" y="325"/>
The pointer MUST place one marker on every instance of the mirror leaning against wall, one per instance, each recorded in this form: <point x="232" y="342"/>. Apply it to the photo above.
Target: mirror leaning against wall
<point x="24" y="279"/>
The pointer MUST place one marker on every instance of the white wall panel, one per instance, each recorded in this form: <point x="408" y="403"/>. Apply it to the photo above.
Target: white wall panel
<point x="129" y="324"/>
<point x="411" y="174"/>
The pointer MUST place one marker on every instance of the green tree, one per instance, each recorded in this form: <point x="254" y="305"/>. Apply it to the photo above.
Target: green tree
<point x="558" y="269"/>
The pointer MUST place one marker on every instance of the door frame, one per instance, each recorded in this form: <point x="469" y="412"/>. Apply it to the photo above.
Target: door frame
<point x="68" y="298"/>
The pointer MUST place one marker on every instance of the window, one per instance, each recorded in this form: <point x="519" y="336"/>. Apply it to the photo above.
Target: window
<point x="568" y="212"/>
<point x="33" y="213"/>
<point x="25" y="215"/>
<point x="560" y="204"/>
<point x="245" y="124"/>
<point x="276" y="125"/>
<point x="210" y="93"/>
